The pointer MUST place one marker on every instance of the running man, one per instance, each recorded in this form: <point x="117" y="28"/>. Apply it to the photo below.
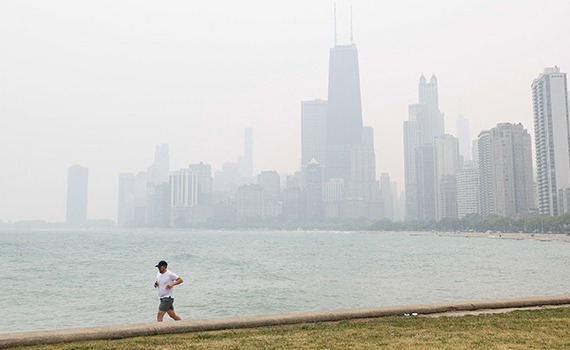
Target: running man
<point x="165" y="282"/>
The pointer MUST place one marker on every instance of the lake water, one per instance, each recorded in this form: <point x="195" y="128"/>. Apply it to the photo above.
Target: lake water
<point x="62" y="279"/>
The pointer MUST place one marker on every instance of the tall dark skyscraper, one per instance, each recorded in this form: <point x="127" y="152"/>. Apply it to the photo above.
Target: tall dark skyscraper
<point x="335" y="140"/>
<point x="344" y="123"/>
<point x="77" y="180"/>
<point x="349" y="146"/>
<point x="344" y="114"/>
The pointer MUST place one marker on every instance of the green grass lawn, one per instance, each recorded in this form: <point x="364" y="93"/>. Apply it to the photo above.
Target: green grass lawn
<point x="536" y="329"/>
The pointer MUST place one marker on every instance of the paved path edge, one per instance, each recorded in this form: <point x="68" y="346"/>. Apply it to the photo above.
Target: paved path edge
<point x="134" y="330"/>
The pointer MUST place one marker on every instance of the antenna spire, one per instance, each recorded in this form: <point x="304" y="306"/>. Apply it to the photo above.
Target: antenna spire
<point x="351" y="36"/>
<point x="335" y="41"/>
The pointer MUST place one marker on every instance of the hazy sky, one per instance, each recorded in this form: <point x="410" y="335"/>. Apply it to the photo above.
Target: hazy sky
<point x="100" y="83"/>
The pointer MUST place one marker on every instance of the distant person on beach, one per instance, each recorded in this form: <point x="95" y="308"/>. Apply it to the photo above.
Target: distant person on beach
<point x="165" y="282"/>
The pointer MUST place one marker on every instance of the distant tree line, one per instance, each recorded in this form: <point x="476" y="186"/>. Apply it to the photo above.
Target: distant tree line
<point x="531" y="224"/>
<point x="474" y="222"/>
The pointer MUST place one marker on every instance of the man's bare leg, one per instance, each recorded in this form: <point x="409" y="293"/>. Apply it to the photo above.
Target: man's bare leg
<point x="173" y="314"/>
<point x="160" y="315"/>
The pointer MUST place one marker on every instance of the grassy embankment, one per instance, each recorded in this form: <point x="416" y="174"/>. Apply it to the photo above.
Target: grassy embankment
<point x="536" y="329"/>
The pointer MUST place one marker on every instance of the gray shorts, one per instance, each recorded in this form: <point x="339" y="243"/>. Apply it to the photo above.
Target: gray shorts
<point x="166" y="304"/>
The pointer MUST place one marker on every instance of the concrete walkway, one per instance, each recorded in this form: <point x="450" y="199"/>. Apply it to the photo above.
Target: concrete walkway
<point x="135" y="330"/>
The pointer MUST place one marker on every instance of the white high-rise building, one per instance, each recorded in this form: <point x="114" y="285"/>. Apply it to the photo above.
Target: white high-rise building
<point x="204" y="182"/>
<point x="468" y="189"/>
<point x="183" y="188"/>
<point x="486" y="174"/>
<point x="552" y="140"/>
<point x="185" y="206"/>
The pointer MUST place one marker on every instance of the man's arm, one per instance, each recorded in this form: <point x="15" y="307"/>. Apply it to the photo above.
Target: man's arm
<point x="175" y="283"/>
<point x="155" y="284"/>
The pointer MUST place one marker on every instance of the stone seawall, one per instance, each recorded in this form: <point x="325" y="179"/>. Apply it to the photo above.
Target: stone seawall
<point x="142" y="329"/>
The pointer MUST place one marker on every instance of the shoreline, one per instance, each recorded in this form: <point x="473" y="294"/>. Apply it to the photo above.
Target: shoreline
<point x="187" y="326"/>
<point x="543" y="237"/>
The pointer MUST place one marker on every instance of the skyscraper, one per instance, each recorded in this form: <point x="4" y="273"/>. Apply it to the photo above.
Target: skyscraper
<point x="203" y="182"/>
<point x="362" y="184"/>
<point x="344" y="119"/>
<point x="431" y="120"/>
<point x="270" y="182"/>
<point x="203" y="210"/>
<point x="344" y="111"/>
<point x="411" y="144"/>
<point x="464" y="137"/>
<point x="158" y="189"/>
<point x="313" y="134"/>
<point x="475" y="151"/>
<point x="424" y="125"/>
<point x="349" y="157"/>
<point x="77" y="183"/>
<point x="468" y="189"/>
<point x="446" y="166"/>
<point x="245" y="162"/>
<point x="158" y="171"/>
<point x="506" y="182"/>
<point x="426" y="182"/>
<point x="250" y="202"/>
<point x="552" y="140"/>
<point x="349" y="146"/>
<point x="184" y="188"/>
<point x="185" y="198"/>
<point x="486" y="173"/>
<point x="313" y="191"/>
<point x="387" y="196"/>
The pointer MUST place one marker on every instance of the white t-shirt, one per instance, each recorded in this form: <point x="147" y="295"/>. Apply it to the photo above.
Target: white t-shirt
<point x="163" y="279"/>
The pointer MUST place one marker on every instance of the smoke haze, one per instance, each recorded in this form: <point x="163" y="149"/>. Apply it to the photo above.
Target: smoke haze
<point x="101" y="83"/>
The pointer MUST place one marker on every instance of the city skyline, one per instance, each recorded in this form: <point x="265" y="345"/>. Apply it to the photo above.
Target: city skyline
<point x="55" y="112"/>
